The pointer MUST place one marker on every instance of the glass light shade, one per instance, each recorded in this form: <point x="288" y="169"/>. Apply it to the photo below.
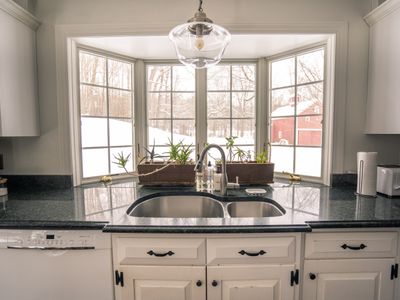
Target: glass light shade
<point x="199" y="51"/>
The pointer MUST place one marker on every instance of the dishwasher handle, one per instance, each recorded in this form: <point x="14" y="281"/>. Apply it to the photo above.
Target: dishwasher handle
<point x="49" y="248"/>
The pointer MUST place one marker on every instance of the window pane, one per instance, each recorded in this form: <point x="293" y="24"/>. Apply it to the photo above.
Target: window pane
<point x="183" y="78"/>
<point x="114" y="153"/>
<point x="282" y="72"/>
<point x="310" y="99"/>
<point x="92" y="68"/>
<point x="282" y="157"/>
<point x="282" y="102"/>
<point x="184" y="105"/>
<point x="94" y="162"/>
<point x="308" y="161"/>
<point x="309" y="131"/>
<point x="185" y="131"/>
<point x="93" y="101"/>
<point x="159" y="78"/>
<point x="217" y="131"/>
<point x="159" y="132"/>
<point x="243" y="104"/>
<point x="244" y="130"/>
<point x="218" y="105"/>
<point x="310" y="67"/>
<point x="94" y="132"/>
<point x="218" y="78"/>
<point x="120" y="132"/>
<point x="159" y="105"/>
<point x="119" y="74"/>
<point x="243" y="77"/>
<point x="282" y="131"/>
<point x="120" y="103"/>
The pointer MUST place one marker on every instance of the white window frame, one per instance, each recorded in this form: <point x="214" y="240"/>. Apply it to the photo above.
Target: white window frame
<point x="76" y="113"/>
<point x="169" y="63"/>
<point x="327" y="106"/>
<point x="231" y="63"/>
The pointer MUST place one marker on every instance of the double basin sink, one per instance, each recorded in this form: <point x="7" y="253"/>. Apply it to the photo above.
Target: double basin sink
<point x="202" y="205"/>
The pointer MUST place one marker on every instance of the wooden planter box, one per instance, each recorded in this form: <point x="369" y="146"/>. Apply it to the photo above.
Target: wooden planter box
<point x="173" y="175"/>
<point x="250" y="172"/>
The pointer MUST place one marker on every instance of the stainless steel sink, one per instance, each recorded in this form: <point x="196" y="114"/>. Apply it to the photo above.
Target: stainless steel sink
<point x="179" y="206"/>
<point x="253" y="209"/>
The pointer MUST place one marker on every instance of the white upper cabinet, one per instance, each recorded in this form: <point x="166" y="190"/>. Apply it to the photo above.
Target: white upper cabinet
<point x="19" y="114"/>
<point x="383" y="106"/>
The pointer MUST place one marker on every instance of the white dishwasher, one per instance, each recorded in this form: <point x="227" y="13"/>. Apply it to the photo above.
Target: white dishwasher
<point x="55" y="265"/>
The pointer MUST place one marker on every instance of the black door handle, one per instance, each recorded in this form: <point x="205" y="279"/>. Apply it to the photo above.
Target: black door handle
<point x="199" y="283"/>
<point x="214" y="283"/>
<point x="261" y="252"/>
<point x="152" y="253"/>
<point x="312" y="276"/>
<point x="362" y="246"/>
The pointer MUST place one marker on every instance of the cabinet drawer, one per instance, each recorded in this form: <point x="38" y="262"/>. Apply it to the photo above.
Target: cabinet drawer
<point x="159" y="251"/>
<point x="251" y="250"/>
<point x="351" y="245"/>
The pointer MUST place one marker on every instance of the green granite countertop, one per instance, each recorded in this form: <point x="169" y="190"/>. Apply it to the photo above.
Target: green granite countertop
<point x="97" y="206"/>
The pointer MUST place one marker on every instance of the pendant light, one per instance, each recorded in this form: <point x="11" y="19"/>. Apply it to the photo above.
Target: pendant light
<point x="199" y="43"/>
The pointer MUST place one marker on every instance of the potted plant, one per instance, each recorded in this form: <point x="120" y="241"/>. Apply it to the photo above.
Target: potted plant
<point x="178" y="170"/>
<point x="249" y="172"/>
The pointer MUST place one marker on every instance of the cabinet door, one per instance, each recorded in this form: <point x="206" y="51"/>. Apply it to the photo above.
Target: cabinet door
<point x="353" y="279"/>
<point x="162" y="283"/>
<point x="250" y="282"/>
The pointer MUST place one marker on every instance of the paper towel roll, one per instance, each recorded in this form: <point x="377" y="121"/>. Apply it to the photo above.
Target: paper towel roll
<point x="366" y="171"/>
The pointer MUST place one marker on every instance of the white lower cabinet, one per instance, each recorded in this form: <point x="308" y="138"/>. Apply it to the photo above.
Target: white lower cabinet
<point x="348" y="279"/>
<point x="161" y="283"/>
<point x="268" y="282"/>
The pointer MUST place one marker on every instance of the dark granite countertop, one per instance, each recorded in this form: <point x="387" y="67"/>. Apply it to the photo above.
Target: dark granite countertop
<point x="308" y="206"/>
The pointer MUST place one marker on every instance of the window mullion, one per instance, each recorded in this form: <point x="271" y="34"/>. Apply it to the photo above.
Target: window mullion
<point x="108" y="119"/>
<point x="201" y="109"/>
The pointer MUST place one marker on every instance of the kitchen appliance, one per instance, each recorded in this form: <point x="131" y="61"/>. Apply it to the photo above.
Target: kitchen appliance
<point x="389" y="180"/>
<point x="366" y="173"/>
<point x="55" y="265"/>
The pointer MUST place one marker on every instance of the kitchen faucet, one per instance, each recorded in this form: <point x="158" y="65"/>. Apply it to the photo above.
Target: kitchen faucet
<point x="224" y="177"/>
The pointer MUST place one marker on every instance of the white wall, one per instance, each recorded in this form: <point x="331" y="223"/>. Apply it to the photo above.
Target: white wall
<point x="50" y="153"/>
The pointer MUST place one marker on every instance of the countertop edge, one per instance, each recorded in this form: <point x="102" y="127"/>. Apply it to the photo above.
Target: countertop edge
<point x="353" y="224"/>
<point x="205" y="229"/>
<point x="56" y="225"/>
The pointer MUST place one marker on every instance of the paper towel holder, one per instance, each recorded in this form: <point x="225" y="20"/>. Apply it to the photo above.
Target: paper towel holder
<point x="360" y="182"/>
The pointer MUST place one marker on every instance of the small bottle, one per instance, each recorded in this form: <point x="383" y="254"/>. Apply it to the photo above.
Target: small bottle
<point x="199" y="181"/>
<point x="210" y="178"/>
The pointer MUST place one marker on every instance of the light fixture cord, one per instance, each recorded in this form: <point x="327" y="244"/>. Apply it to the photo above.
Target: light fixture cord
<point x="201" y="5"/>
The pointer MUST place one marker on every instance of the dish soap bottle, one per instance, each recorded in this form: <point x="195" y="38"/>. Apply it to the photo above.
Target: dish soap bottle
<point x="210" y="178"/>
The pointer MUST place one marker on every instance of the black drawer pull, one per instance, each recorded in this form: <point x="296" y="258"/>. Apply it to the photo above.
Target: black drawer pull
<point x="169" y="253"/>
<point x="362" y="246"/>
<point x="261" y="252"/>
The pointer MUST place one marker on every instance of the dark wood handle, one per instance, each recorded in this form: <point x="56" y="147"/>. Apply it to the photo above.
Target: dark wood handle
<point x="261" y="252"/>
<point x="152" y="253"/>
<point x="362" y="246"/>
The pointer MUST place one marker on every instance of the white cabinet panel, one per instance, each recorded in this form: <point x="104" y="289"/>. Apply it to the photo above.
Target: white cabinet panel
<point x="268" y="282"/>
<point x="353" y="279"/>
<point x="18" y="84"/>
<point x="162" y="282"/>
<point x="383" y="103"/>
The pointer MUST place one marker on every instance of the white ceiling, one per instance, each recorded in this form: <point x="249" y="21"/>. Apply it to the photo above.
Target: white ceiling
<point x="241" y="46"/>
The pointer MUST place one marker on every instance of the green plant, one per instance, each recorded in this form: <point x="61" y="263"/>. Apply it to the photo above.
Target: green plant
<point x="240" y="154"/>
<point x="174" y="150"/>
<point x="262" y="157"/>
<point x="151" y="154"/>
<point x="183" y="155"/>
<point x="230" y="143"/>
<point x="121" y="160"/>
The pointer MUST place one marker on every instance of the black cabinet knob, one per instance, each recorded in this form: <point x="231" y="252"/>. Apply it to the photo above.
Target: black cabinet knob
<point x="214" y="283"/>
<point x="199" y="283"/>
<point x="312" y="276"/>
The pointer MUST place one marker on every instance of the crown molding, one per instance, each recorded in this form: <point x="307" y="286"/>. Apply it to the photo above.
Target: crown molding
<point x="382" y="11"/>
<point x="19" y="13"/>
